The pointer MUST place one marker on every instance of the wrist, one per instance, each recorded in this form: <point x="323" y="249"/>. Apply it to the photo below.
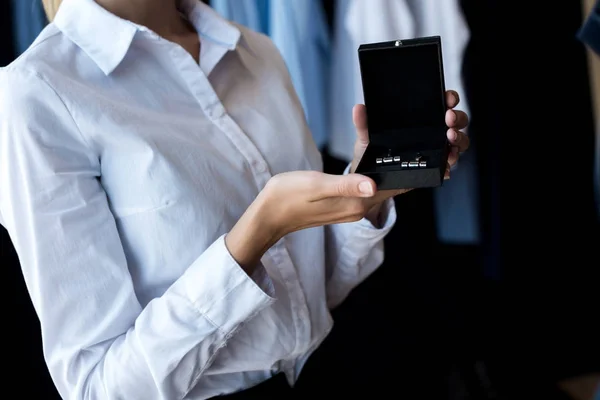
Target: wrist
<point x="374" y="214"/>
<point x="251" y="236"/>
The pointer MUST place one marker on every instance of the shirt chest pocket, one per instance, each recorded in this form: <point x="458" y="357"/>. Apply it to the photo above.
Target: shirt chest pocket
<point x="143" y="175"/>
<point x="138" y="182"/>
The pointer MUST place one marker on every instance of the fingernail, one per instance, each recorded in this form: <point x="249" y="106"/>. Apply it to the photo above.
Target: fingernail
<point x="454" y="117"/>
<point x="456" y="98"/>
<point x="446" y="177"/>
<point x="366" y="188"/>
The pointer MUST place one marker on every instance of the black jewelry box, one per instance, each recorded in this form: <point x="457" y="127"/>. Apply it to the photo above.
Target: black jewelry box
<point x="404" y="93"/>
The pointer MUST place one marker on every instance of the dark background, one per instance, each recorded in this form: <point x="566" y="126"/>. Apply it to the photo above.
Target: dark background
<point x="506" y="319"/>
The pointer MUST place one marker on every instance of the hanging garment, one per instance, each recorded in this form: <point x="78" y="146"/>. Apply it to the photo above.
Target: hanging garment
<point x="343" y="80"/>
<point x="357" y="22"/>
<point x="28" y="21"/>
<point x="7" y="52"/>
<point x="364" y="21"/>
<point x="457" y="214"/>
<point x="299" y="30"/>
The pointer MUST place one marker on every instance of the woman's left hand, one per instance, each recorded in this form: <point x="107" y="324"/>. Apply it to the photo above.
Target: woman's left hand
<point x="455" y="120"/>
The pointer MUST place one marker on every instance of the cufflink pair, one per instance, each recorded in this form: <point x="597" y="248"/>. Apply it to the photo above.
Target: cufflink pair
<point x="388" y="160"/>
<point x="418" y="162"/>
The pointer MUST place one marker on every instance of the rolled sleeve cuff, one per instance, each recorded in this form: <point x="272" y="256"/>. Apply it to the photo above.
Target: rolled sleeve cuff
<point x="387" y="219"/>
<point x="221" y="291"/>
<point x="360" y="237"/>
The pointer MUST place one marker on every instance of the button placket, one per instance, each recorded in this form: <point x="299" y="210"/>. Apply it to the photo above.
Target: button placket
<point x="259" y="166"/>
<point x="211" y="105"/>
<point x="255" y="160"/>
<point x="279" y="253"/>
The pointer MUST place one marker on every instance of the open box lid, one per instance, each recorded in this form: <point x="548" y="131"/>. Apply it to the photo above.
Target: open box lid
<point x="404" y="92"/>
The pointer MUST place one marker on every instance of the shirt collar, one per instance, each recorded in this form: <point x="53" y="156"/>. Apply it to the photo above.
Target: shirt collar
<point x="106" y="38"/>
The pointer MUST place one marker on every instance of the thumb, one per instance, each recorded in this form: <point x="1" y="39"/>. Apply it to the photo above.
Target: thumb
<point x="351" y="185"/>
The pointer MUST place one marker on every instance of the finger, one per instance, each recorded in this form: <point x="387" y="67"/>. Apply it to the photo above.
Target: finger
<point x="452" y="99"/>
<point x="359" y="117"/>
<point x="447" y="173"/>
<point x="453" y="156"/>
<point x="351" y="185"/>
<point x="457" y="119"/>
<point x="458" y="139"/>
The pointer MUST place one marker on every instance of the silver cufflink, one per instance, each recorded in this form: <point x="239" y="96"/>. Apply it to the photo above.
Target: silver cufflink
<point x="387" y="160"/>
<point x="418" y="162"/>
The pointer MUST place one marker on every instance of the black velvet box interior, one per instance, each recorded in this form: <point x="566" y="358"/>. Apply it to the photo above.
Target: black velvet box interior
<point x="404" y="93"/>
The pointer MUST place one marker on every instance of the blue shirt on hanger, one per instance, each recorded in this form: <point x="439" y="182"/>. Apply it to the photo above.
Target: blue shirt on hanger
<point x="28" y="21"/>
<point x="299" y="30"/>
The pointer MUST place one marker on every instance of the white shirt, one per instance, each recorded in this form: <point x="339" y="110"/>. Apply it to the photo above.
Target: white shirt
<point x="122" y="166"/>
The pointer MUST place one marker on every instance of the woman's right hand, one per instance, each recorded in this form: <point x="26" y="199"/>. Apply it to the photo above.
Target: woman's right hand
<point x="304" y="199"/>
<point x="297" y="200"/>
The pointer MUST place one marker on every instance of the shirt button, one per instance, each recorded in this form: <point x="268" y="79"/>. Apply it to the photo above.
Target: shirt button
<point x="215" y="112"/>
<point x="259" y="167"/>
<point x="218" y="112"/>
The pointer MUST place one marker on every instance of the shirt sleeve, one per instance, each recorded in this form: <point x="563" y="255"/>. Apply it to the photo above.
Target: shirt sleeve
<point x="354" y="251"/>
<point x="99" y="342"/>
